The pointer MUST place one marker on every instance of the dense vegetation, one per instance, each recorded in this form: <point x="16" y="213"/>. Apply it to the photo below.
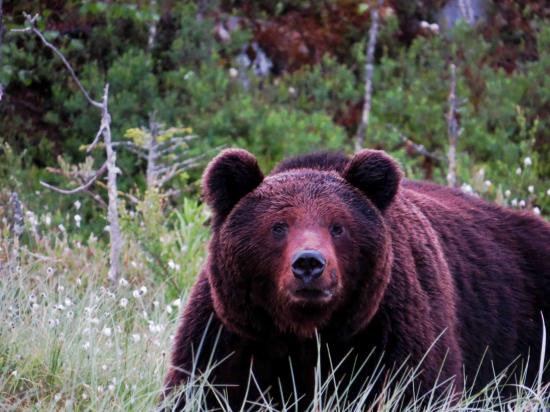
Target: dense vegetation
<point x="277" y="78"/>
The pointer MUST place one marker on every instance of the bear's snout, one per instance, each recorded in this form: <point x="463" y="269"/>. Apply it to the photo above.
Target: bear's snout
<point x="308" y="265"/>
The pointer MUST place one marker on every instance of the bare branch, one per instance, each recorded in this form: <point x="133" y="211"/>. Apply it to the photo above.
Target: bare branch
<point x="152" y="155"/>
<point x="82" y="188"/>
<point x="417" y="147"/>
<point x="152" y="26"/>
<point x="77" y="177"/>
<point x="32" y="28"/>
<point x="112" y="209"/>
<point x="96" y="138"/>
<point x="131" y="147"/>
<point x="452" y="130"/>
<point x="168" y="173"/>
<point x="369" y="69"/>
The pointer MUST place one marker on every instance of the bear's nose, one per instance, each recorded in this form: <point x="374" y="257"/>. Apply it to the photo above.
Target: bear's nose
<point x="308" y="265"/>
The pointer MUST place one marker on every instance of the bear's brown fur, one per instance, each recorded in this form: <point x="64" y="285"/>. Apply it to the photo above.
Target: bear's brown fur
<point x="403" y="265"/>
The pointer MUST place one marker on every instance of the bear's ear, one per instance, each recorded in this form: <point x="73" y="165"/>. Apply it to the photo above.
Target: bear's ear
<point x="376" y="174"/>
<point x="230" y="175"/>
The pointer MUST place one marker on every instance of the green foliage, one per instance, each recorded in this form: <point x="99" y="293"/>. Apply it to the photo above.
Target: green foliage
<point x="173" y="246"/>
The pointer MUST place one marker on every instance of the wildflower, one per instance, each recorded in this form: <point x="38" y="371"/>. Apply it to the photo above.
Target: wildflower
<point x="531" y="188"/>
<point x="32" y="298"/>
<point x="122" y="282"/>
<point x="136" y="337"/>
<point x="78" y="281"/>
<point x="86" y="346"/>
<point x="156" y="303"/>
<point x="527" y="161"/>
<point x="84" y="396"/>
<point x="77" y="220"/>
<point x="68" y="302"/>
<point x="522" y="203"/>
<point x="111" y="387"/>
<point x="70" y="314"/>
<point x="176" y="303"/>
<point x="107" y="228"/>
<point x="52" y="323"/>
<point x="155" y="328"/>
<point x="507" y="193"/>
<point x="100" y="389"/>
<point x="35" y="307"/>
<point x="94" y="321"/>
<point x="77" y="205"/>
<point x="536" y="211"/>
<point x="518" y="171"/>
<point x="57" y="397"/>
<point x="123" y="302"/>
<point x="434" y="28"/>
<point x="14" y="373"/>
<point x="233" y="72"/>
<point x="50" y="271"/>
<point x="171" y="264"/>
<point x="104" y="367"/>
<point x="548" y="192"/>
<point x="143" y="290"/>
<point x="487" y="184"/>
<point x="424" y="24"/>
<point x="18" y="269"/>
<point x="136" y="294"/>
<point x="48" y="220"/>
<point x="466" y="188"/>
<point x="169" y="309"/>
<point x="514" y="202"/>
<point x="59" y="307"/>
<point x="292" y="91"/>
<point x="133" y="264"/>
<point x="61" y="227"/>
<point x="61" y="288"/>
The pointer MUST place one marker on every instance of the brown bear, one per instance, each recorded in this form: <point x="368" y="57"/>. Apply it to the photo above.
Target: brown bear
<point x="340" y="262"/>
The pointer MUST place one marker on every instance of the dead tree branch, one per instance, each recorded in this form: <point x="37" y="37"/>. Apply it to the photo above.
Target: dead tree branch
<point x="152" y="26"/>
<point x="452" y="130"/>
<point x="31" y="21"/>
<point x="80" y="179"/>
<point x="369" y="69"/>
<point x="416" y="147"/>
<point x="78" y="189"/>
<point x="110" y="164"/>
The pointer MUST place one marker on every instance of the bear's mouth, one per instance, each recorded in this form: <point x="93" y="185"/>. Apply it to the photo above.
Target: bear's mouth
<point x="312" y="294"/>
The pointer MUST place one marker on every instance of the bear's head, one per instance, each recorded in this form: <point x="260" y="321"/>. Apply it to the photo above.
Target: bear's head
<point x="303" y="249"/>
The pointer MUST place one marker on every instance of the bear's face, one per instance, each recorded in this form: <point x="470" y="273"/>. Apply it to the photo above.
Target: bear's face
<point x="298" y="251"/>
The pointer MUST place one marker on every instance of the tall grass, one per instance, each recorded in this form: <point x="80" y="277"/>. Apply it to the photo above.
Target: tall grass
<point x="70" y="342"/>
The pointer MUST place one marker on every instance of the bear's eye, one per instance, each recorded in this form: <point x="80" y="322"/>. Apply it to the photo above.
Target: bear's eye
<point x="336" y="230"/>
<point x="279" y="229"/>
